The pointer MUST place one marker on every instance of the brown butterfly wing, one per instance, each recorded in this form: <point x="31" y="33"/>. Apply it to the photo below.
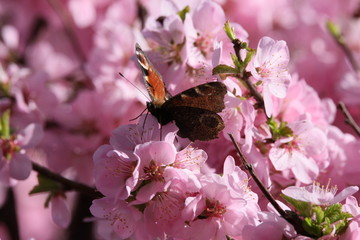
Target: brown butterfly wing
<point x="153" y="80"/>
<point x="194" y="111"/>
<point x="209" y="96"/>
<point x="196" y="123"/>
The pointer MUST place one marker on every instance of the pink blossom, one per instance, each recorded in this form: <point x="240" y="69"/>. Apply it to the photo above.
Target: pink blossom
<point x="270" y="67"/>
<point x="163" y="213"/>
<point x="126" y="137"/>
<point x="111" y="52"/>
<point x="319" y="195"/>
<point x="153" y="159"/>
<point x="14" y="160"/>
<point x="302" y="100"/>
<point x="216" y="210"/>
<point x="352" y="231"/>
<point x="221" y="207"/>
<point x="115" y="217"/>
<point x="88" y="15"/>
<point x="190" y="158"/>
<point x="351" y="206"/>
<point x="10" y="41"/>
<point x="115" y="172"/>
<point x="272" y="227"/>
<point x="188" y="45"/>
<point x="298" y="153"/>
<point x="343" y="149"/>
<point x="208" y="18"/>
<point x="201" y="36"/>
<point x="52" y="50"/>
<point x="239" y="116"/>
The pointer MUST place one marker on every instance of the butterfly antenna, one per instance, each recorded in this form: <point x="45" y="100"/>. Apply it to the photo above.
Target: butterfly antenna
<point x="147" y="97"/>
<point x="138" y="115"/>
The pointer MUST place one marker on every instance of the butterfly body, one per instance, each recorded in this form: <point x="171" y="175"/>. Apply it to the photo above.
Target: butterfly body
<point x="193" y="110"/>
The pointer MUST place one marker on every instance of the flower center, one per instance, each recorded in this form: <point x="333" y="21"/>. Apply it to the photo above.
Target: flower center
<point x="8" y="147"/>
<point x="213" y="209"/>
<point x="204" y="44"/>
<point x="153" y="172"/>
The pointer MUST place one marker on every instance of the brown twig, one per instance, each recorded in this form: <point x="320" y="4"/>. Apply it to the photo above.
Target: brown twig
<point x="348" y="118"/>
<point x="348" y="53"/>
<point x="245" y="76"/>
<point x="69" y="185"/>
<point x="289" y="216"/>
<point x="250" y="169"/>
<point x="68" y="24"/>
<point x="254" y="92"/>
<point x="339" y="38"/>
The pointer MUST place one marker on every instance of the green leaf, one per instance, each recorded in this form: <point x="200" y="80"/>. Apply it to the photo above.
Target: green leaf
<point x="319" y="214"/>
<point x="236" y="62"/>
<point x="48" y="199"/>
<point x="183" y="13"/>
<point x="229" y="31"/>
<point x="311" y="228"/>
<point x="45" y="185"/>
<point x="333" y="29"/>
<point x="333" y="212"/>
<point x="249" y="55"/>
<point x="279" y="130"/>
<point x="5" y="125"/>
<point x="223" y="69"/>
<point x="303" y="208"/>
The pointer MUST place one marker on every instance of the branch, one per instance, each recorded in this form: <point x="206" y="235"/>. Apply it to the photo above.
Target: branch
<point x="250" y="169"/>
<point x="253" y="91"/>
<point x="349" y="55"/>
<point x="69" y="185"/>
<point x="289" y="216"/>
<point x="68" y="24"/>
<point x="335" y="32"/>
<point x="348" y="118"/>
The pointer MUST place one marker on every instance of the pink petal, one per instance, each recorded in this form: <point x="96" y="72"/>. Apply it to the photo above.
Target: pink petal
<point x="278" y="87"/>
<point x="30" y="136"/>
<point x="280" y="158"/>
<point x="20" y="166"/>
<point x="60" y="212"/>
<point x="10" y="36"/>
<point x="267" y="101"/>
<point x="305" y="169"/>
<point x="87" y="15"/>
<point x="344" y="194"/>
<point x="206" y="11"/>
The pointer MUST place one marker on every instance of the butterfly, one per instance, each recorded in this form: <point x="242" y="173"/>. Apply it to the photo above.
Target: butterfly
<point x="193" y="110"/>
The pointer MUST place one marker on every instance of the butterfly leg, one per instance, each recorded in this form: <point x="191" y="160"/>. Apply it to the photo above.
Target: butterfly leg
<point x="143" y="126"/>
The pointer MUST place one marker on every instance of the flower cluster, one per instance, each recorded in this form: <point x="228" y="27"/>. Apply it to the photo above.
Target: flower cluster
<point x="65" y="118"/>
<point x="165" y="190"/>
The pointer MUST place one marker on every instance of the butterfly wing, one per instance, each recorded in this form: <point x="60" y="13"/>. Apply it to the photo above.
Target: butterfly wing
<point x="208" y="96"/>
<point x="194" y="111"/>
<point x="196" y="123"/>
<point x="153" y="80"/>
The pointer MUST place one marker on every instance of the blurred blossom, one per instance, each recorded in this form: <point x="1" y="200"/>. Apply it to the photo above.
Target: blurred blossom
<point x="14" y="162"/>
